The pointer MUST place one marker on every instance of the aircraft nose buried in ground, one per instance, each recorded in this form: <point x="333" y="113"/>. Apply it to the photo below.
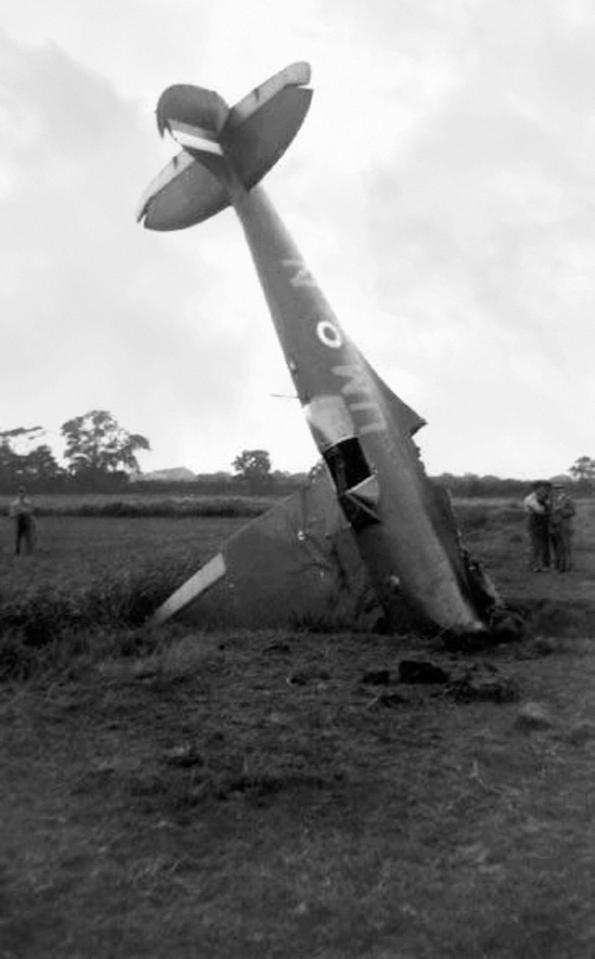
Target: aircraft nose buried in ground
<point x="370" y="536"/>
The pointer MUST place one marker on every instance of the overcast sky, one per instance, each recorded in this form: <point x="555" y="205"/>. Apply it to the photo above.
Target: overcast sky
<point x="442" y="191"/>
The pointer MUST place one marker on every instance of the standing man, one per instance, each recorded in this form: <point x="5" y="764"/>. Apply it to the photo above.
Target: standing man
<point x="562" y="511"/>
<point x="536" y="506"/>
<point x="21" y="510"/>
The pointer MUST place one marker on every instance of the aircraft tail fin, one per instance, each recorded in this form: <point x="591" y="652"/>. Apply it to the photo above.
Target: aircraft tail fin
<point x="244" y="141"/>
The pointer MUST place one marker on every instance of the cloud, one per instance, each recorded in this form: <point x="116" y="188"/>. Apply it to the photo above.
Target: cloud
<point x="441" y="190"/>
<point x="99" y="312"/>
<point x="484" y="251"/>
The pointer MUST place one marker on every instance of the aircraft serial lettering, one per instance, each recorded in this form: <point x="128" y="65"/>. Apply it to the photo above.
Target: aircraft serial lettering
<point x="356" y="384"/>
<point x="302" y="275"/>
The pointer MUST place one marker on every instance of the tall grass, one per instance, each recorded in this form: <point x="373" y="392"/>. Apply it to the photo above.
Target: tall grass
<point x="48" y="627"/>
<point x="473" y="516"/>
<point x="143" y="506"/>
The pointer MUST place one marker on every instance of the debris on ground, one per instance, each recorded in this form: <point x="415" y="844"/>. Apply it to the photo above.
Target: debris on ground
<point x="533" y="716"/>
<point x="392" y="700"/>
<point x="483" y="684"/>
<point x="184" y="755"/>
<point x="278" y="647"/>
<point x="421" y="671"/>
<point x="301" y="677"/>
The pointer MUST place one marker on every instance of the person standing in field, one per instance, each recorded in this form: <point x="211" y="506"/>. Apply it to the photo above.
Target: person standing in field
<point x="21" y="510"/>
<point x="561" y="523"/>
<point x="536" y="506"/>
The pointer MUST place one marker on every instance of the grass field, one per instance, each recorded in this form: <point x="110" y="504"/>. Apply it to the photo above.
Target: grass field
<point x="172" y="793"/>
<point x="75" y="551"/>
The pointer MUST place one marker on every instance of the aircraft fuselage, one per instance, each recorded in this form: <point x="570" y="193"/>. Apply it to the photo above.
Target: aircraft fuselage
<point x="403" y="528"/>
<point x="371" y="456"/>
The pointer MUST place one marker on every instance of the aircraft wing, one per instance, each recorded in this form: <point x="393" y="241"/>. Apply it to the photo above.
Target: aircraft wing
<point x="297" y="564"/>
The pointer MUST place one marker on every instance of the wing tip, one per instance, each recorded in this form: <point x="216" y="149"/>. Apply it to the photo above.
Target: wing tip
<point x="200" y="582"/>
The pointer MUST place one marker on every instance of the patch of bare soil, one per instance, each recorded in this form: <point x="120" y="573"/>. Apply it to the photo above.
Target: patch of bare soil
<point x="291" y="795"/>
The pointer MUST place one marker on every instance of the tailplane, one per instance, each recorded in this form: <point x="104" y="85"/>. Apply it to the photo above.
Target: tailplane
<point x="218" y="142"/>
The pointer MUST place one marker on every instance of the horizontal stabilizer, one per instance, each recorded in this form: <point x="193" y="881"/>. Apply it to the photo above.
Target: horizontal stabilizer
<point x="295" y="75"/>
<point x="256" y="145"/>
<point x="184" y="193"/>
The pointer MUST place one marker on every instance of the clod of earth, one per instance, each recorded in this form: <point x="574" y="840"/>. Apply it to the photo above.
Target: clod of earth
<point x="421" y="671"/>
<point x="533" y="716"/>
<point x="392" y="700"/>
<point x="483" y="686"/>
<point x="184" y="755"/>
<point x="304" y="676"/>
<point x="376" y="677"/>
<point x="278" y="647"/>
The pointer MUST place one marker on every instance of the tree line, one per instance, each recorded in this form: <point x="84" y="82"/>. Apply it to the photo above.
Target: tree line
<point x="101" y="456"/>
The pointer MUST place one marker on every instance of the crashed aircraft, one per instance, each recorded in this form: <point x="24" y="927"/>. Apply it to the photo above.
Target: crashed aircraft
<point x="370" y="537"/>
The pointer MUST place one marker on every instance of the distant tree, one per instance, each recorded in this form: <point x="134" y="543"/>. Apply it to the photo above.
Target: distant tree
<point x="253" y="465"/>
<point x="472" y="485"/>
<point x="20" y="432"/>
<point x="40" y="466"/>
<point x="9" y="464"/>
<point x="36" y="465"/>
<point x="583" y="469"/>
<point x="97" y="444"/>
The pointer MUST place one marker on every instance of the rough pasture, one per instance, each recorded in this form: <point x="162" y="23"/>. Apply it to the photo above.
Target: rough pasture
<point x="287" y="794"/>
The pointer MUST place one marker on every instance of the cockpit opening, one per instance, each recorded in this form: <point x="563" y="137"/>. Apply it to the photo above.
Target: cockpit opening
<point x="356" y="483"/>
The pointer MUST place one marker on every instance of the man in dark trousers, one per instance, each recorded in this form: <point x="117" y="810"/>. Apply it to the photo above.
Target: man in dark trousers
<point x="536" y="506"/>
<point x="561" y="514"/>
<point x="21" y="510"/>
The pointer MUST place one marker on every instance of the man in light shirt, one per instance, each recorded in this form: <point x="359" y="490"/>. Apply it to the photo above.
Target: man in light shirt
<point x="536" y="506"/>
